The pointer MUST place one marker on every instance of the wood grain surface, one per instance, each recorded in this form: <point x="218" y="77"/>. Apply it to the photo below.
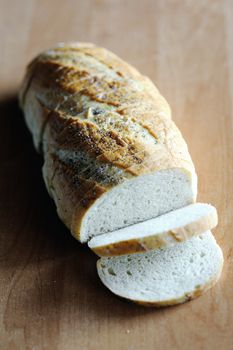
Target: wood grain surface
<point x="50" y="296"/>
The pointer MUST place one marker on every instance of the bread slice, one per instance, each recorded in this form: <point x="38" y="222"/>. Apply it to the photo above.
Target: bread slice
<point x="165" y="230"/>
<point x="166" y="276"/>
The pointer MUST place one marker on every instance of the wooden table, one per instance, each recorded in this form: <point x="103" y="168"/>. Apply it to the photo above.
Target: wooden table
<point x="50" y="296"/>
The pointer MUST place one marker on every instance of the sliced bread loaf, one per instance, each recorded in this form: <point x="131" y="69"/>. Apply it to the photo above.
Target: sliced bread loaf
<point x="165" y="230"/>
<point x="166" y="276"/>
<point x="113" y="155"/>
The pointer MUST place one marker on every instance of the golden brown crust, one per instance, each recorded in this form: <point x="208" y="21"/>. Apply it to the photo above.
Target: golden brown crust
<point x="112" y="147"/>
<point x="93" y="101"/>
<point x="107" y="146"/>
<point x="72" y="193"/>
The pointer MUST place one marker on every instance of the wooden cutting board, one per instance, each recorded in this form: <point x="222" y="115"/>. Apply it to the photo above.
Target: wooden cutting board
<point x="50" y="296"/>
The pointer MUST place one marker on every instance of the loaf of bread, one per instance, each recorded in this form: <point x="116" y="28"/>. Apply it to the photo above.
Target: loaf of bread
<point x="113" y="156"/>
<point x="115" y="164"/>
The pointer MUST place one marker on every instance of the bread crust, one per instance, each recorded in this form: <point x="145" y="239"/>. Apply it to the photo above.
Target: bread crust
<point x="161" y="240"/>
<point x="92" y="101"/>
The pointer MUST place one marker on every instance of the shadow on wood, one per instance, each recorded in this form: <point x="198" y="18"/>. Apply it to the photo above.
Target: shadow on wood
<point x="51" y="274"/>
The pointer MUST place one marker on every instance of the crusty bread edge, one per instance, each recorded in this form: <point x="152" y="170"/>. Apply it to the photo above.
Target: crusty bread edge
<point x="162" y="240"/>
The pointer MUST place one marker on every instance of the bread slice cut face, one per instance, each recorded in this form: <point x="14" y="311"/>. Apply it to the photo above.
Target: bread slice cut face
<point x="165" y="276"/>
<point x="163" y="231"/>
